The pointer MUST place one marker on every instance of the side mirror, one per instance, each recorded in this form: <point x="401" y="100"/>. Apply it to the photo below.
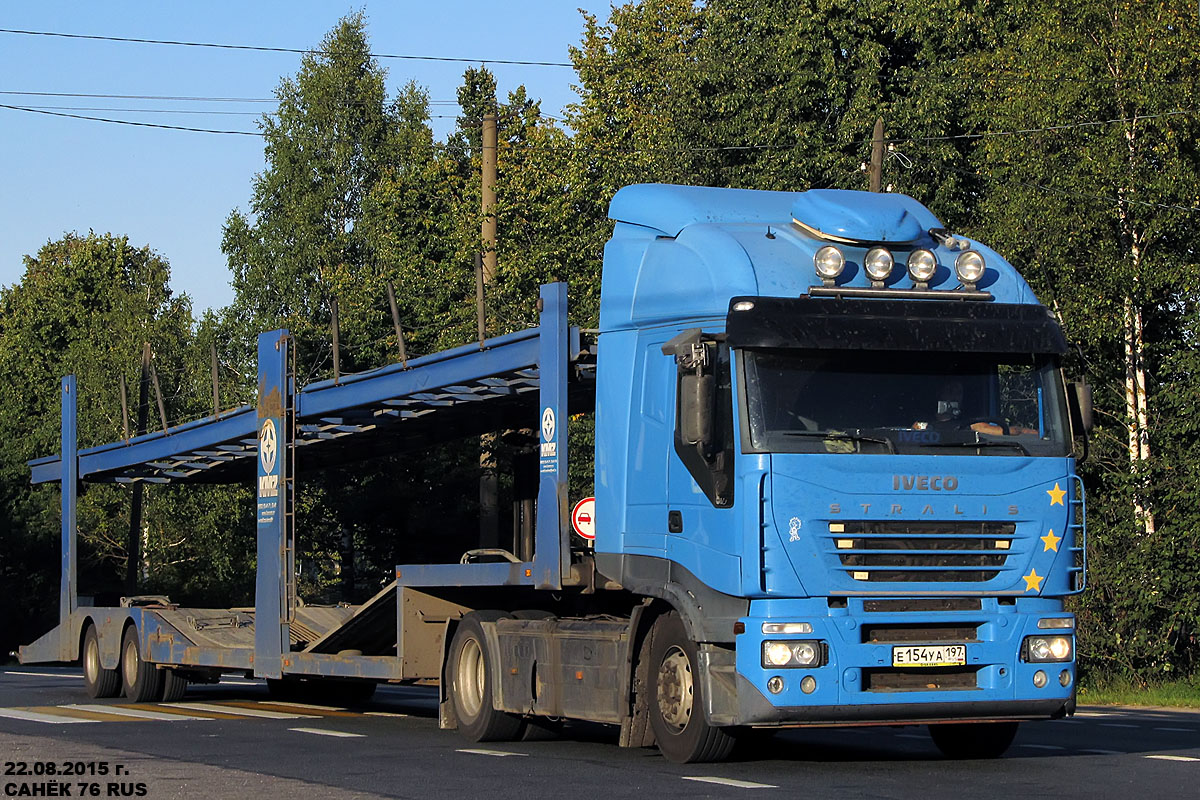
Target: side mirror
<point x="1080" y="399"/>
<point x="697" y="400"/>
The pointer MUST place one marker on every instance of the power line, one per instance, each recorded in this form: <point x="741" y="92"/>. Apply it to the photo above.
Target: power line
<point x="199" y="99"/>
<point x="127" y="122"/>
<point x="261" y="49"/>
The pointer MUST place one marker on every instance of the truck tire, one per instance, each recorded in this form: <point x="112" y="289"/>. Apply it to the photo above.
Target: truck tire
<point x="676" y="702"/>
<point x="469" y="683"/>
<point x="174" y="685"/>
<point x="974" y="739"/>
<point x="141" y="681"/>
<point x="98" y="681"/>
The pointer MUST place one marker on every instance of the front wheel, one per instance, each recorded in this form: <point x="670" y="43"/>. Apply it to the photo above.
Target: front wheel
<point x="98" y="681"/>
<point x="974" y="739"/>
<point x="469" y="685"/>
<point x="141" y="680"/>
<point x="677" y="704"/>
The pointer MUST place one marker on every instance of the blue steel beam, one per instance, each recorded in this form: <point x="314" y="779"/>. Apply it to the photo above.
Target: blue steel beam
<point x="270" y="612"/>
<point x="68" y="600"/>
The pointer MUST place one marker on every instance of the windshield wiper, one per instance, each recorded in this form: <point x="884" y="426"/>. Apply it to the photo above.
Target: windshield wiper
<point x="981" y="443"/>
<point x="842" y="436"/>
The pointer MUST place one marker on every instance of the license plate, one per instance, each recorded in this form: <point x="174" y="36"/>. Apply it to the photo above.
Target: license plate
<point x="930" y="655"/>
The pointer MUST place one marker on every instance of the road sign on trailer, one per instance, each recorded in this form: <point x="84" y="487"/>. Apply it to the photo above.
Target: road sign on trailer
<point x="583" y="518"/>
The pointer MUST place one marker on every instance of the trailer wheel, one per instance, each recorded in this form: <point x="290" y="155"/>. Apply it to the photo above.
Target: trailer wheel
<point x="470" y="684"/>
<point x="682" y="733"/>
<point x="974" y="739"/>
<point x="174" y="685"/>
<point x="98" y="681"/>
<point x="141" y="680"/>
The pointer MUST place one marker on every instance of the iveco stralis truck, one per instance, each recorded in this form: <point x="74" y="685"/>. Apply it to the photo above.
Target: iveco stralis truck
<point x="834" y="483"/>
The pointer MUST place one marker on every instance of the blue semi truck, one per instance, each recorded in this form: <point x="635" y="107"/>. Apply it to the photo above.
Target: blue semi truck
<point x="834" y="483"/>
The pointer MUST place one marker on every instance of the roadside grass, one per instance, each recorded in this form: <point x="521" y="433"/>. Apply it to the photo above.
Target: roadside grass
<point x="1176" y="694"/>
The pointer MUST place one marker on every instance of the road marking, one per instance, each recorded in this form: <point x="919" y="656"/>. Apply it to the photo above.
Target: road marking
<point x="241" y="712"/>
<point x="1117" y="725"/>
<point x="127" y="711"/>
<point x="300" y="705"/>
<point x="1174" y="758"/>
<point x="498" y="753"/>
<point x="34" y="716"/>
<point x="284" y="708"/>
<point x="730" y="782"/>
<point x="1105" y="752"/>
<point x="383" y="714"/>
<point x="234" y="682"/>
<point x="911" y="736"/>
<point x="1177" y="730"/>
<point x="1043" y="747"/>
<point x="321" y="732"/>
<point x="41" y="674"/>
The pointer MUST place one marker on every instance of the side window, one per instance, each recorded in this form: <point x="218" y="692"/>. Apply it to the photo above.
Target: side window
<point x="704" y="413"/>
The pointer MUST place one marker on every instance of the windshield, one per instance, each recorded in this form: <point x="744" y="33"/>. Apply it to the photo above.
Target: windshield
<point x="858" y="401"/>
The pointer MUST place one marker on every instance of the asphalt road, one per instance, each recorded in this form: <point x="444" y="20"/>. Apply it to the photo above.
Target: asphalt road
<point x="232" y="740"/>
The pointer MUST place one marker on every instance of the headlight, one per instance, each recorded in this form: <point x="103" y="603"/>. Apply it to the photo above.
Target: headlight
<point x="829" y="262"/>
<point x="969" y="266"/>
<point x="921" y="266"/>
<point x="879" y="263"/>
<point x="792" y="654"/>
<point x="1040" y="649"/>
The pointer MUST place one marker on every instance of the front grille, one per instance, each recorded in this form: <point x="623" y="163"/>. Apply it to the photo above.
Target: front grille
<point x="922" y="551"/>
<point x="909" y="633"/>
<point x="907" y="604"/>
<point x="920" y="680"/>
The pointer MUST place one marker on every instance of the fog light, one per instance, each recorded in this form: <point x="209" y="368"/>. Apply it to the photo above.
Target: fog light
<point x="969" y="267"/>
<point x="1064" y="678"/>
<point x="808" y="685"/>
<point x="775" y="685"/>
<point x="921" y="266"/>
<point x="1040" y="679"/>
<point x="879" y="263"/>
<point x="829" y="262"/>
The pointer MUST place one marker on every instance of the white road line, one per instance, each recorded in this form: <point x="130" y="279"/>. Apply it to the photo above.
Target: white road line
<point x="911" y="736"/>
<point x="322" y="732"/>
<point x="1105" y="752"/>
<point x="383" y="714"/>
<point x="238" y="711"/>
<point x="1043" y="747"/>
<point x="730" y="782"/>
<point x="234" y="682"/>
<point x="34" y="716"/>
<point x="498" y="753"/>
<point x="1177" y="730"/>
<point x="301" y="705"/>
<point x="1117" y="725"/>
<point x="1174" y="758"/>
<point x="41" y="674"/>
<point x="134" y="713"/>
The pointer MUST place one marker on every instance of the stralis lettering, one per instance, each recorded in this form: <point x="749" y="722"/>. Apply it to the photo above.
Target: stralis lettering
<point x="924" y="483"/>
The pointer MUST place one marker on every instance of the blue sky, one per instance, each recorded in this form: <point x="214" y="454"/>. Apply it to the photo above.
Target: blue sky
<point x="172" y="190"/>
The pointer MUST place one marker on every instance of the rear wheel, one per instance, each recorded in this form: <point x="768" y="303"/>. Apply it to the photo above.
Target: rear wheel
<point x="98" y="681"/>
<point x="470" y="684"/>
<point x="974" y="739"/>
<point x="677" y="703"/>
<point x="174" y="685"/>
<point x="141" y="680"/>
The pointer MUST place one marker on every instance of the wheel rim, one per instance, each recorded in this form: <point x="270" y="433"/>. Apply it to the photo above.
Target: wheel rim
<point x="675" y="689"/>
<point x="91" y="661"/>
<point x="130" y="662"/>
<point x="470" y="679"/>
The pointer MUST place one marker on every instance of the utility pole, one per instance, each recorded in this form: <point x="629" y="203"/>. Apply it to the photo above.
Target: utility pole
<point x="489" y="515"/>
<point x="133" y="544"/>
<point x="877" y="156"/>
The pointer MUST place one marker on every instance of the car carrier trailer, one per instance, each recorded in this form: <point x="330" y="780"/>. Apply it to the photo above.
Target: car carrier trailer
<point x="834" y="484"/>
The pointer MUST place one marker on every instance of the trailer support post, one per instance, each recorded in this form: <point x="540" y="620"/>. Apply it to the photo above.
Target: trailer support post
<point x="552" y="544"/>
<point x="271" y="634"/>
<point x="68" y="599"/>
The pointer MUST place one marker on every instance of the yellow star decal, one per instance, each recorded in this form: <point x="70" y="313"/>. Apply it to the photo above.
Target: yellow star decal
<point x="1051" y="541"/>
<point x="1033" y="581"/>
<point x="1056" y="495"/>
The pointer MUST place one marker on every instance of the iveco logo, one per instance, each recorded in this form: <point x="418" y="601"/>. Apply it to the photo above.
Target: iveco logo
<point x="924" y="483"/>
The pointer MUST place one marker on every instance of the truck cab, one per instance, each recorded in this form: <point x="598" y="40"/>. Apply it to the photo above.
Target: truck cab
<point x="840" y="435"/>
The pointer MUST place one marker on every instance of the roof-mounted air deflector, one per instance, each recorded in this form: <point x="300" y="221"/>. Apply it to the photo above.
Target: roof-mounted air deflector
<point x="839" y="215"/>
